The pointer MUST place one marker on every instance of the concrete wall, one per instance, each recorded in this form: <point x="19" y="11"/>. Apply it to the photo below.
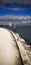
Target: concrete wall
<point x="23" y="53"/>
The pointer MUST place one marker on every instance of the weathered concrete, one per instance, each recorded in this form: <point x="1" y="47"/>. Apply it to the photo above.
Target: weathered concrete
<point x="9" y="54"/>
<point x="25" y="54"/>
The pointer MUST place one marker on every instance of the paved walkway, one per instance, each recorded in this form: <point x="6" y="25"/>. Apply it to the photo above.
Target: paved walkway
<point x="9" y="54"/>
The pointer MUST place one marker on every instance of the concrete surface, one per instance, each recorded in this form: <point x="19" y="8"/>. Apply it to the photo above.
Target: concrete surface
<point x="9" y="54"/>
<point x="25" y="50"/>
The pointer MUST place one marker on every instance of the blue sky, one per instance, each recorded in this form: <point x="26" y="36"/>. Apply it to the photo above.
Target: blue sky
<point x="15" y="12"/>
<point x="24" y="10"/>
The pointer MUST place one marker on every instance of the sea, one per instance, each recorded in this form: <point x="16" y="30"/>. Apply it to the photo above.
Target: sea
<point x="24" y="31"/>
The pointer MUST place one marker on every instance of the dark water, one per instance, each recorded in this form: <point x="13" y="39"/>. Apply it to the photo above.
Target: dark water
<point x="24" y="31"/>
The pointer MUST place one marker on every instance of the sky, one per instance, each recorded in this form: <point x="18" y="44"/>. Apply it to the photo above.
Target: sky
<point x="17" y="1"/>
<point x="17" y="10"/>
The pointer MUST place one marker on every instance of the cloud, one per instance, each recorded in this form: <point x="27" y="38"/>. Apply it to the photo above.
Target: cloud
<point x="16" y="19"/>
<point x="17" y="1"/>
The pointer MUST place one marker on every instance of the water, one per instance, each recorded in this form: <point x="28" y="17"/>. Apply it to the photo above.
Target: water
<point x="24" y="31"/>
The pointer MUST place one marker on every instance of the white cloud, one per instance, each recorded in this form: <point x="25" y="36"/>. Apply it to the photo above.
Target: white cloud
<point x="20" y="19"/>
<point x="15" y="17"/>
